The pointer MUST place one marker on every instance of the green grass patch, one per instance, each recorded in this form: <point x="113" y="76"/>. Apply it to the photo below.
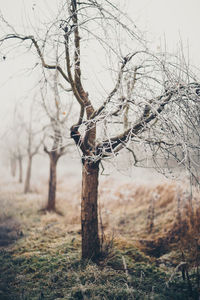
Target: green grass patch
<point x="63" y="276"/>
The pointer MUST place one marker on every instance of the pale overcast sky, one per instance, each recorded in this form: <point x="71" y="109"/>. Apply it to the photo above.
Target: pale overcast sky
<point x="176" y="19"/>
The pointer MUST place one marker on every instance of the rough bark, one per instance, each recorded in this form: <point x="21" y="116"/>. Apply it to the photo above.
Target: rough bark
<point x="28" y="176"/>
<point x="51" y="205"/>
<point x="89" y="211"/>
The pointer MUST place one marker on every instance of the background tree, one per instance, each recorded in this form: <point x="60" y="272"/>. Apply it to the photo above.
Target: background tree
<point x="13" y="163"/>
<point x="34" y="140"/>
<point x="15" y="139"/>
<point x="58" y="115"/>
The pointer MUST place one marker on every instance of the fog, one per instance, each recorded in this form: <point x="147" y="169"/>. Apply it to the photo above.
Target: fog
<point x="165" y="23"/>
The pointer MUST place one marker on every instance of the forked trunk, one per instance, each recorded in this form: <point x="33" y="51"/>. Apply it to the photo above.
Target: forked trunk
<point x="51" y="206"/>
<point x="28" y="176"/>
<point x="89" y="211"/>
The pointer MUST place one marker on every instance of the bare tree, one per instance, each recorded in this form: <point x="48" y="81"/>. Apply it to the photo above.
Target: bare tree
<point x="15" y="145"/>
<point x="25" y="140"/>
<point x="15" y="156"/>
<point x="58" y="117"/>
<point x="54" y="154"/>
<point x="33" y="142"/>
<point x="156" y="116"/>
<point x="13" y="163"/>
<point x="19" y="156"/>
<point x="13" y="166"/>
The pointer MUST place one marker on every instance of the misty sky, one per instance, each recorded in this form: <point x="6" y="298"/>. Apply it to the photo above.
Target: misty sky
<point x="173" y="19"/>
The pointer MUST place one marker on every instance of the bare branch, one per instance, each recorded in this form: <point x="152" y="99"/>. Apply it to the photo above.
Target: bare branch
<point x="111" y="144"/>
<point x="113" y="92"/>
<point x="31" y="38"/>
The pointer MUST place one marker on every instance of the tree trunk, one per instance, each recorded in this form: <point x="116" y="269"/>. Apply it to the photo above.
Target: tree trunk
<point x="89" y="211"/>
<point x="51" y="206"/>
<point x="20" y="169"/>
<point x="28" y="176"/>
<point x="13" y="166"/>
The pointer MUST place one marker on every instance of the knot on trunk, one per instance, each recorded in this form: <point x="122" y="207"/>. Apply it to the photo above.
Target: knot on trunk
<point x="75" y="134"/>
<point x="91" y="162"/>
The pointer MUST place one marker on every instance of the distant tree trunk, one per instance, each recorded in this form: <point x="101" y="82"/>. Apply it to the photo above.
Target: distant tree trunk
<point x="13" y="166"/>
<point x="51" y="205"/>
<point x="89" y="211"/>
<point x="20" y="169"/>
<point x="28" y="176"/>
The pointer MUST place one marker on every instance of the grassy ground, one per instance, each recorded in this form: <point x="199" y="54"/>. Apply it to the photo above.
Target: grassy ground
<point x="150" y="242"/>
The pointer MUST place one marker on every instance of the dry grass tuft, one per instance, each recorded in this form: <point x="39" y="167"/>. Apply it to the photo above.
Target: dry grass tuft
<point x="157" y="217"/>
<point x="140" y="224"/>
<point x="154" y="218"/>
